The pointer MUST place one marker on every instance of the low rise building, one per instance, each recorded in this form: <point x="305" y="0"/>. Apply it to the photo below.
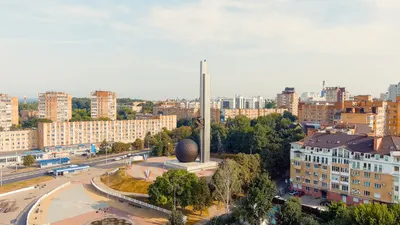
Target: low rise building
<point x="11" y="141"/>
<point x="250" y="113"/>
<point x="72" y="133"/>
<point x="350" y="168"/>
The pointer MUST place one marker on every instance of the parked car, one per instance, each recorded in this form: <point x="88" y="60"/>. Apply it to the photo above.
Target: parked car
<point x="293" y="192"/>
<point x="117" y="159"/>
<point x="299" y="194"/>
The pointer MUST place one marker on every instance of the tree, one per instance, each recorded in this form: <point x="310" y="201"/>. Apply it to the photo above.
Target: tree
<point x="201" y="196"/>
<point x="138" y="144"/>
<point x="33" y="122"/>
<point x="119" y="147"/>
<point x="270" y="104"/>
<point x="250" y="168"/>
<point x="290" y="212"/>
<point x="125" y="113"/>
<point x="174" y="186"/>
<point x="176" y="218"/>
<point x="147" y="107"/>
<point x="374" y="213"/>
<point x="255" y="207"/>
<point x="15" y="127"/>
<point x="308" y="220"/>
<point x="28" y="106"/>
<point x="185" y="122"/>
<point x="103" y="119"/>
<point x="80" y="115"/>
<point x="182" y="132"/>
<point x="81" y="103"/>
<point x="226" y="182"/>
<point x="29" y="160"/>
<point x="149" y="140"/>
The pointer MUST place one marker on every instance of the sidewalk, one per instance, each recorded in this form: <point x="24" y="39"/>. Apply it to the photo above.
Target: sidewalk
<point x="98" y="182"/>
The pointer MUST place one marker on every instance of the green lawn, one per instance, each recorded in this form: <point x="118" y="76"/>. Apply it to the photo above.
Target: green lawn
<point x="121" y="182"/>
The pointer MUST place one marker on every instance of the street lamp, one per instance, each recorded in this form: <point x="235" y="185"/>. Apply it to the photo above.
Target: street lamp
<point x="1" y="175"/>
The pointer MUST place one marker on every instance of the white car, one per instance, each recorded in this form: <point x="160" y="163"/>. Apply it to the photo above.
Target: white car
<point x="117" y="159"/>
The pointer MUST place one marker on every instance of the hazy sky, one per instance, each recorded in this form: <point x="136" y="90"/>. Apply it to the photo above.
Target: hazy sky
<point x="151" y="48"/>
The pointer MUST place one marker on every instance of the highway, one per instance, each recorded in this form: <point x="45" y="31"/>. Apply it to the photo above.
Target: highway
<point x="99" y="163"/>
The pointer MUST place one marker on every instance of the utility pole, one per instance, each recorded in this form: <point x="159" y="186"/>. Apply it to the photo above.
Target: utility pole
<point x="1" y="176"/>
<point x="16" y="163"/>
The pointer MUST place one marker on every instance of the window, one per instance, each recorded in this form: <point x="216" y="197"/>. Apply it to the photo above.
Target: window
<point x="315" y="190"/>
<point x="324" y="184"/>
<point x="335" y="186"/>
<point x="377" y="176"/>
<point x="308" y="181"/>
<point x="356" y="181"/>
<point x="367" y="193"/>
<point x="345" y="188"/>
<point x="344" y="179"/>
<point x="367" y="174"/>
<point x="367" y="183"/>
<point x="316" y="166"/>
<point x="308" y="165"/>
<point x="386" y="158"/>
<point x="297" y="171"/>
<point x="324" y="176"/>
<point x="380" y="169"/>
<point x="396" y="169"/>
<point x="335" y="168"/>
<point x="396" y="188"/>
<point x="315" y="182"/>
<point x="377" y="195"/>
<point x="324" y="167"/>
<point x="356" y="200"/>
<point x="307" y="188"/>
<point x="378" y="186"/>
<point x="344" y="170"/>
<point x="396" y="198"/>
<point x="315" y="174"/>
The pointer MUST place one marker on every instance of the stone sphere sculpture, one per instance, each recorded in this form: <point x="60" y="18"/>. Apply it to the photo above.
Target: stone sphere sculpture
<point x="186" y="151"/>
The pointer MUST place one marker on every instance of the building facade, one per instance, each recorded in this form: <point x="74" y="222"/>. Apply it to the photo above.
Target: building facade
<point x="289" y="100"/>
<point x="11" y="141"/>
<point x="72" y="133"/>
<point x="250" y="113"/>
<point x="189" y="113"/>
<point x="336" y="94"/>
<point x="103" y="105"/>
<point x="322" y="113"/>
<point x="350" y="168"/>
<point x="56" y="106"/>
<point x="8" y="111"/>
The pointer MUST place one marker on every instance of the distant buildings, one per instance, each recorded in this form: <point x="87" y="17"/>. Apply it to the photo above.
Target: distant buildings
<point x="323" y="113"/>
<point x="186" y="113"/>
<point x="250" y="113"/>
<point x="336" y="94"/>
<point x="289" y="100"/>
<point x="27" y="114"/>
<point x="56" y="106"/>
<point x="8" y="111"/>
<point x="103" y="105"/>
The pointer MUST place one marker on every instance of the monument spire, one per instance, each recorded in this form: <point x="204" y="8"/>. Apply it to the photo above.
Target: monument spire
<point x="205" y="111"/>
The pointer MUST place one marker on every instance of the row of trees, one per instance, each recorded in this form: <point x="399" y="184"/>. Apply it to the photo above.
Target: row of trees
<point x="119" y="147"/>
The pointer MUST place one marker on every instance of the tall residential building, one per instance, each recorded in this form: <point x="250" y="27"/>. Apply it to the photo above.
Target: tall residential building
<point x="353" y="169"/>
<point x="8" y="111"/>
<point x="393" y="92"/>
<point x="240" y="102"/>
<point x="56" y="106"/>
<point x="103" y="104"/>
<point x="336" y="94"/>
<point x="289" y="100"/>
<point x="228" y="103"/>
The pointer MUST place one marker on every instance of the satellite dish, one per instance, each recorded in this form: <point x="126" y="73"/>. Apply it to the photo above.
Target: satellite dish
<point x="320" y="179"/>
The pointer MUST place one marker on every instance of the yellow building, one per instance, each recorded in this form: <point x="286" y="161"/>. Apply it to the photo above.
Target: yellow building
<point x="350" y="168"/>
<point x="288" y="100"/>
<point x="250" y="113"/>
<point x="8" y="111"/>
<point x="103" y="105"/>
<point x="56" y="106"/>
<point x="18" y="140"/>
<point x="317" y="112"/>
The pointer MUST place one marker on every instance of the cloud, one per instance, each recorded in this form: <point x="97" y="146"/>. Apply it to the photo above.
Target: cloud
<point x="76" y="12"/>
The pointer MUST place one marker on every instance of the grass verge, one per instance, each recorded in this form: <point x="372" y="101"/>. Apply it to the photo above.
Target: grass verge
<point x="121" y="182"/>
<point x="23" y="184"/>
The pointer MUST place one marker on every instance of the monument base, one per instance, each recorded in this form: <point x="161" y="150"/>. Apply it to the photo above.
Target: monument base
<point x="191" y="166"/>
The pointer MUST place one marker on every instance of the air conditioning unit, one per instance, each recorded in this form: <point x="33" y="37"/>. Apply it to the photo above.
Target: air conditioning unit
<point x="384" y="185"/>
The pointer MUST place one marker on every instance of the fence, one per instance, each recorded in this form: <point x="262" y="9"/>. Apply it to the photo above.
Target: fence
<point x="113" y="171"/>
<point x="41" y="198"/>
<point x="132" y="200"/>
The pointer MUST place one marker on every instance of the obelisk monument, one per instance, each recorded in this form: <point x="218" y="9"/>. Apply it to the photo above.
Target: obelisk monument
<point x="205" y="112"/>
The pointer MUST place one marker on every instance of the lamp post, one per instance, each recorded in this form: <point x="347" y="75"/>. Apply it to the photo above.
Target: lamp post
<point x="1" y="175"/>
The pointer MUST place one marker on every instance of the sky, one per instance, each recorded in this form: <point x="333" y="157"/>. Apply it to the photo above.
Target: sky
<point x="151" y="49"/>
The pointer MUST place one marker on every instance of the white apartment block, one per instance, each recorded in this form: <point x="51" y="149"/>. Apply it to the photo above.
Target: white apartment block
<point x="88" y="132"/>
<point x="103" y="104"/>
<point x="18" y="140"/>
<point x="56" y="106"/>
<point x="8" y="111"/>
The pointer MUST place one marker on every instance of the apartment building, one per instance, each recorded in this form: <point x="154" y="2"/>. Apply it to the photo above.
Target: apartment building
<point x="188" y="113"/>
<point x="250" y="113"/>
<point x="26" y="114"/>
<point x="8" y="111"/>
<point x="393" y="117"/>
<point x="336" y="94"/>
<point x="322" y="113"/>
<point x="72" y="133"/>
<point x="103" y="105"/>
<point x="56" y="106"/>
<point x="289" y="100"/>
<point x="18" y="140"/>
<point x="363" y="110"/>
<point x="350" y="168"/>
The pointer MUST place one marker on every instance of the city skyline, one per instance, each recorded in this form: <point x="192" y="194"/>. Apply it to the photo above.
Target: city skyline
<point x="146" y="50"/>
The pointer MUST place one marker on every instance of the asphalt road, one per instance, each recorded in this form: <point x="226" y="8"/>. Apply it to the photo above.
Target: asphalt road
<point x="101" y="163"/>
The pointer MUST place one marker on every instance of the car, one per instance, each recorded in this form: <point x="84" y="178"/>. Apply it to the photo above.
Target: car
<point x="325" y="202"/>
<point x="293" y="192"/>
<point x="117" y="159"/>
<point x="299" y="194"/>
